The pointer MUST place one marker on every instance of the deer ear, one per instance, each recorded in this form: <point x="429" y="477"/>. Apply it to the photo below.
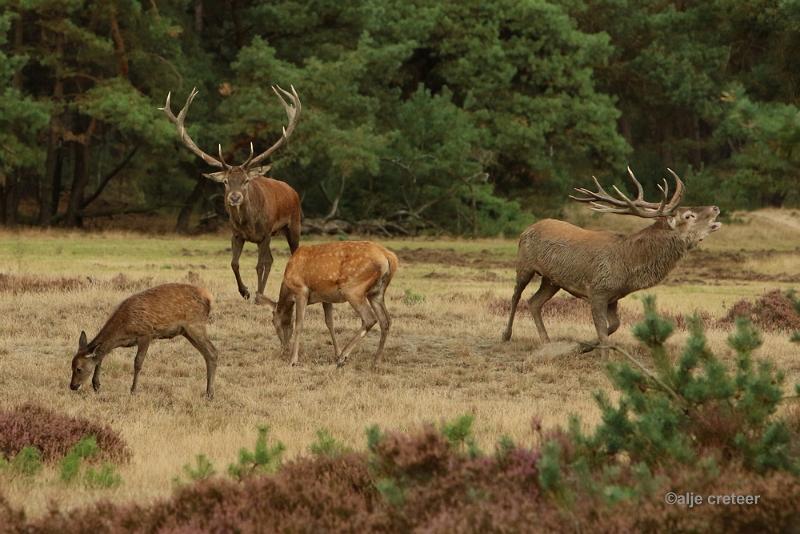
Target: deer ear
<point x="216" y="176"/>
<point x="671" y="222"/>
<point x="259" y="171"/>
<point x="82" y="341"/>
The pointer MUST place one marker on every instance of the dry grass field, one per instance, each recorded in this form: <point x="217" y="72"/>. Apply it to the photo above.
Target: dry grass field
<point x="444" y="355"/>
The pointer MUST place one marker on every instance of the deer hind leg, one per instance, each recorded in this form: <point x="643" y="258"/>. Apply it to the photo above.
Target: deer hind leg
<point x="328" y="308"/>
<point x="545" y="292"/>
<point x="141" y="352"/>
<point x="197" y="336"/>
<point x="263" y="268"/>
<point x="379" y="309"/>
<point x="368" y="320"/>
<point x="301" y="300"/>
<point x="292" y="231"/>
<point x="237" y="243"/>
<point x="524" y="277"/>
<point x="613" y="318"/>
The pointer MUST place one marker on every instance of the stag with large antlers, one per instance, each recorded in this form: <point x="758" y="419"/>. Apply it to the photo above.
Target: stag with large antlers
<point x="602" y="267"/>
<point x="258" y="207"/>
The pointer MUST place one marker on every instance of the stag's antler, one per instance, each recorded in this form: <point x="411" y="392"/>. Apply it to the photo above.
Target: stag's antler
<point x="292" y="111"/>
<point x="603" y="202"/>
<point x="178" y="122"/>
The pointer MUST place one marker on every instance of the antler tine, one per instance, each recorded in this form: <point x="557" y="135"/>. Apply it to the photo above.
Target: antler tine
<point x="182" y="133"/>
<point x="292" y="113"/>
<point x="678" y="195"/>
<point x="639" y="190"/>
<point x="221" y="157"/>
<point x="247" y="161"/>
<point x="603" y="202"/>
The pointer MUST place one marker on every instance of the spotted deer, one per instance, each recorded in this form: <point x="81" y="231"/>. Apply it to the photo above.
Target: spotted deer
<point x="258" y="207"/>
<point x="161" y="312"/>
<point x="602" y="267"/>
<point x="357" y="272"/>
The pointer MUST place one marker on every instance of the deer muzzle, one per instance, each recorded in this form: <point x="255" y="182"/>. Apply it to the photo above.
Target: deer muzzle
<point x="235" y="199"/>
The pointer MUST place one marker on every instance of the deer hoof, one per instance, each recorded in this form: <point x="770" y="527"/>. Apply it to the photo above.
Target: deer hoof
<point x="96" y="387"/>
<point x="340" y="364"/>
<point x="244" y="293"/>
<point x="506" y="336"/>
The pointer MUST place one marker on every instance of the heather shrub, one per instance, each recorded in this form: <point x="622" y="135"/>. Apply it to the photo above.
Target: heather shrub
<point x="263" y="459"/>
<point x="54" y="434"/>
<point x="775" y="310"/>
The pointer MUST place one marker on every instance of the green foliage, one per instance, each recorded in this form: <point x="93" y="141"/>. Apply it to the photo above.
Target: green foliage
<point x="71" y="463"/>
<point x="411" y="298"/>
<point x="391" y="491"/>
<point x="201" y="470"/>
<point x="374" y="436"/>
<point x="550" y="467"/>
<point x="327" y="445"/>
<point x="105" y="477"/>
<point x="263" y="459"/>
<point x="459" y="434"/>
<point x="27" y="462"/>
<point x="434" y="116"/>
<point x="691" y="411"/>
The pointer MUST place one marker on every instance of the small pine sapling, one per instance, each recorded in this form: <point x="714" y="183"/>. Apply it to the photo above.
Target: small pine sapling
<point x="263" y="459"/>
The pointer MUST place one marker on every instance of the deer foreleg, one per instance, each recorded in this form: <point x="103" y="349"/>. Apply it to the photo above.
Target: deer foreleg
<point x="328" y="308"/>
<point x="613" y="318"/>
<point x="237" y="243"/>
<point x="600" y="318"/>
<point x="263" y="268"/>
<point x="96" y="375"/>
<point x="300" y="314"/>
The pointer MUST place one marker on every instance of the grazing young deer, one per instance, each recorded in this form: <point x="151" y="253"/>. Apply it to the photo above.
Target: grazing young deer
<point x="258" y="207"/>
<point x="357" y="272"/>
<point x="161" y="312"/>
<point x="602" y="267"/>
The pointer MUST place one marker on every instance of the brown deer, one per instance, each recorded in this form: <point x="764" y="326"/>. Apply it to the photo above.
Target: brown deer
<point x="161" y="312"/>
<point x="602" y="267"/>
<point x="258" y="207"/>
<point x="357" y="272"/>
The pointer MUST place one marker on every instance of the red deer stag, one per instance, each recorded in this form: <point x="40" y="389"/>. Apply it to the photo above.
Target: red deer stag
<point x="161" y="312"/>
<point x="258" y="207"/>
<point x="357" y="272"/>
<point x="602" y="267"/>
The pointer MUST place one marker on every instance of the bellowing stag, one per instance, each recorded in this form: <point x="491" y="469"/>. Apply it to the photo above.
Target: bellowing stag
<point x="258" y="207"/>
<point x="602" y="267"/>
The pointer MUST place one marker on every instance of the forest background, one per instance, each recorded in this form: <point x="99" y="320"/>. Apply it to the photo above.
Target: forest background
<point x="464" y="117"/>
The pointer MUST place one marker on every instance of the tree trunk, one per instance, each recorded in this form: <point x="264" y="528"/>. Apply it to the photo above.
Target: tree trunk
<point x="198" y="16"/>
<point x="10" y="200"/>
<point x="52" y="173"/>
<point x="182" y="224"/>
<point x="80" y="178"/>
